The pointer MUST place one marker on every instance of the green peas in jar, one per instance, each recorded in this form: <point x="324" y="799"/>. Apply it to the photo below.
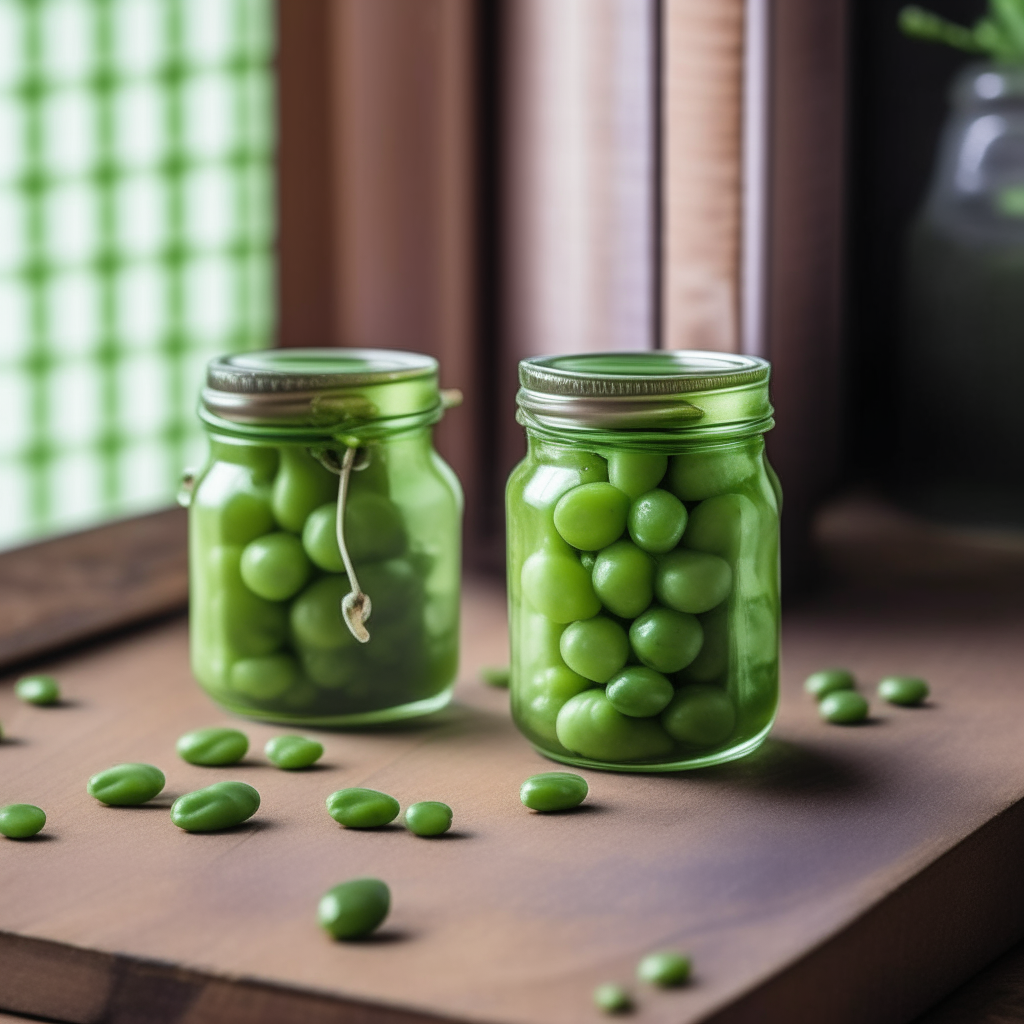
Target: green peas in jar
<point x="659" y="583"/>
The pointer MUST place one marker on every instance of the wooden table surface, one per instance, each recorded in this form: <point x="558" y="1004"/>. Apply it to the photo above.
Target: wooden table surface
<point x="841" y="874"/>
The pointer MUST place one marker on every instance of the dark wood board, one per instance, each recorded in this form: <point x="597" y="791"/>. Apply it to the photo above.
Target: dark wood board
<point x="840" y="875"/>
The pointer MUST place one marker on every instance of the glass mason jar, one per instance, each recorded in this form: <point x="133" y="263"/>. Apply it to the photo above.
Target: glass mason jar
<point x="299" y="614"/>
<point x="961" y="418"/>
<point x="643" y="560"/>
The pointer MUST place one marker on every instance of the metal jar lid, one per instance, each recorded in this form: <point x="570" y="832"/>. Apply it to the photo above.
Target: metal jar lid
<point x="692" y="391"/>
<point x="321" y="387"/>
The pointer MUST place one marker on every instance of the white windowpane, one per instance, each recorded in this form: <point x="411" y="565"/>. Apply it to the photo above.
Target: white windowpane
<point x="12" y="137"/>
<point x="69" y="137"/>
<point x="140" y="129"/>
<point x="15" y="414"/>
<point x="142" y="383"/>
<point x="211" y="195"/>
<point x="209" y="116"/>
<point x="13" y="217"/>
<point x="15" y="321"/>
<point x="75" y="482"/>
<point x="147" y="476"/>
<point x="15" y="509"/>
<point x="69" y="39"/>
<point x="71" y="223"/>
<point x="75" y="398"/>
<point x="141" y="215"/>
<point x="139" y="36"/>
<point x="73" y="313"/>
<point x="210" y="301"/>
<point x="209" y="30"/>
<point x="141" y="301"/>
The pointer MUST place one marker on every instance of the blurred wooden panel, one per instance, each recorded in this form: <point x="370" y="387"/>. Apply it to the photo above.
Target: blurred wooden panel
<point x="804" y="269"/>
<point x="70" y="588"/>
<point x="702" y="155"/>
<point x="580" y="164"/>
<point x="377" y="189"/>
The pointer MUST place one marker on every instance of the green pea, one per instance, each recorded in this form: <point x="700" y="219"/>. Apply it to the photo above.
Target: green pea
<point x="362" y="808"/>
<point x="222" y="805"/>
<point x="262" y="460"/>
<point x="301" y="485"/>
<point x="559" y="587"/>
<point x="623" y="579"/>
<point x="829" y="680"/>
<point x="666" y="640"/>
<point x="666" y="969"/>
<point x="700" y="716"/>
<point x="843" y="707"/>
<point x="639" y="692"/>
<point x="636" y="473"/>
<point x="126" y="785"/>
<point x="213" y="747"/>
<point x="548" y="693"/>
<point x="694" y="476"/>
<point x="553" y="791"/>
<point x="274" y="567"/>
<point x="713" y="661"/>
<point x="612" y="998"/>
<point x="592" y="516"/>
<point x="334" y="670"/>
<point x="496" y="675"/>
<point x="905" y="690"/>
<point x="354" y="909"/>
<point x="239" y="506"/>
<point x="722" y="526"/>
<point x="589" y="725"/>
<point x="657" y="520"/>
<point x="293" y="752"/>
<point x="266" y="677"/>
<point x="692" y="581"/>
<point x="594" y="648"/>
<point x="251" y="624"/>
<point x="374" y="530"/>
<point x="428" y="818"/>
<point x="21" y="821"/>
<point x="320" y="538"/>
<point x="316" y="615"/>
<point x="40" y="690"/>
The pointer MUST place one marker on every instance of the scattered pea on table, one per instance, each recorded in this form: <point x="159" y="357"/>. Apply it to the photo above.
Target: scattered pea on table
<point x="843" y="707"/>
<point x="126" y="785"/>
<point x="428" y="818"/>
<point x="553" y="791"/>
<point x="829" y="680"/>
<point x="293" y="752"/>
<point x="40" y="690"/>
<point x="222" y="805"/>
<point x="362" y="808"/>
<point x="665" y="968"/>
<point x="904" y="690"/>
<point x="213" y="747"/>
<point x="496" y="675"/>
<point x="355" y="908"/>
<point x="612" y="998"/>
<point x="21" y="821"/>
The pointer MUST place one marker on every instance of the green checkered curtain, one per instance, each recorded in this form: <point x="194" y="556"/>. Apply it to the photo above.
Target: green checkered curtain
<point x="136" y="222"/>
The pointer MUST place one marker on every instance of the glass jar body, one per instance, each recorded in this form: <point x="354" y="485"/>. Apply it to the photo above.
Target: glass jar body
<point x="654" y="646"/>
<point x="266" y="581"/>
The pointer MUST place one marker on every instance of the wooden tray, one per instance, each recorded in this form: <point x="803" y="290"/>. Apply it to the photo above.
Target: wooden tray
<point x="840" y="875"/>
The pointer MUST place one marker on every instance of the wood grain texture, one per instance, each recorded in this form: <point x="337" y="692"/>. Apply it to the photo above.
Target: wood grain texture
<point x="702" y="153"/>
<point x="841" y="874"/>
<point x="67" y="589"/>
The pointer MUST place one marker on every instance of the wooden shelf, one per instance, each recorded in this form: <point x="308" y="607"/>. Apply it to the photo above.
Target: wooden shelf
<point x="841" y="874"/>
